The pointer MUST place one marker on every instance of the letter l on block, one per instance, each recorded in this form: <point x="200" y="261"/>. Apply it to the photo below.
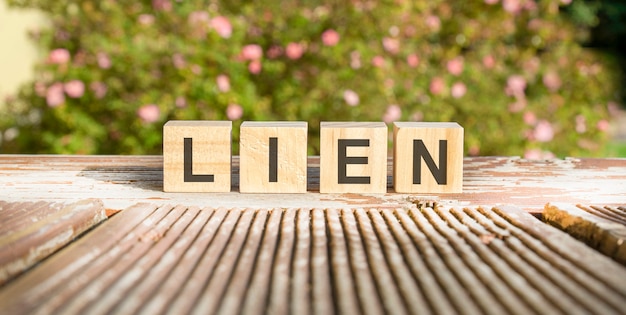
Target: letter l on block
<point x="428" y="157"/>
<point x="197" y="156"/>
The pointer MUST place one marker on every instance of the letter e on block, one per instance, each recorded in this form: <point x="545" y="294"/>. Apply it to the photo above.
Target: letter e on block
<point x="353" y="157"/>
<point x="197" y="156"/>
<point x="273" y="157"/>
<point x="428" y="157"/>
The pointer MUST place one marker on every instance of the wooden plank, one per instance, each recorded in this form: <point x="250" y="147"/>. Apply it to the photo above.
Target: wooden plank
<point x="39" y="229"/>
<point x="181" y="259"/>
<point x="122" y="181"/>
<point x="603" y="228"/>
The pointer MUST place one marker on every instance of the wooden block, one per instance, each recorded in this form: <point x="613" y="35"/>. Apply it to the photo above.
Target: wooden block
<point x="428" y="157"/>
<point x="197" y="156"/>
<point x="273" y="157"/>
<point x="353" y="157"/>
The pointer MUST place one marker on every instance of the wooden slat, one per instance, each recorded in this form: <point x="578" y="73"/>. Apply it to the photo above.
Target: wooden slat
<point x="441" y="260"/>
<point x="603" y="228"/>
<point x="31" y="231"/>
<point x="122" y="181"/>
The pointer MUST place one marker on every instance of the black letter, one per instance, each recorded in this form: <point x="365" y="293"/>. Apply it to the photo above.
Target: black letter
<point x="343" y="160"/>
<point x="273" y="160"/>
<point x="189" y="176"/>
<point x="419" y="151"/>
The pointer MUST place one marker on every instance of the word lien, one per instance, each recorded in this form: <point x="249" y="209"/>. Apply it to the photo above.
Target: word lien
<point x="427" y="157"/>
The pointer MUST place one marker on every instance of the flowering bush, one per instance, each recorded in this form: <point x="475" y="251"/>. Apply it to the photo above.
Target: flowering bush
<point x="511" y="72"/>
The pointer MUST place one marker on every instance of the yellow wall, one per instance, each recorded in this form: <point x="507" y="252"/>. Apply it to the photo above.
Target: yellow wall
<point x="17" y="50"/>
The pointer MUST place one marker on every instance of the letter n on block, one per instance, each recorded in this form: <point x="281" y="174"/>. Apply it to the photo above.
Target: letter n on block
<point x="353" y="157"/>
<point x="273" y="157"/>
<point x="197" y="156"/>
<point x="428" y="157"/>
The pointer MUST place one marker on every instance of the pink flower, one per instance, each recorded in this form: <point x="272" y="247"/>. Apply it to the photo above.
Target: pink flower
<point x="530" y="5"/>
<point x="251" y="52"/>
<point x="198" y="22"/>
<point x="40" y="89"/>
<point x="417" y="116"/>
<point x="532" y="65"/>
<point x="543" y="131"/>
<point x="355" y="60"/>
<point x="181" y="102"/>
<point x="234" y="111"/>
<point x="222" y="26"/>
<point x="515" y="86"/>
<point x="552" y="81"/>
<point x="294" y="51"/>
<point x="74" y="88"/>
<point x="99" y="89"/>
<point x="274" y="51"/>
<point x="581" y="124"/>
<point x="351" y="98"/>
<point x="413" y="60"/>
<point x="163" y="5"/>
<point x="196" y="69"/>
<point x="178" y="60"/>
<point x="104" y="62"/>
<point x="255" y="67"/>
<point x="223" y="83"/>
<point x="437" y="85"/>
<point x="566" y="2"/>
<point x="536" y="154"/>
<point x="489" y="61"/>
<point x="603" y="125"/>
<point x="512" y="6"/>
<point x="530" y="118"/>
<point x="458" y="90"/>
<point x="54" y="95"/>
<point x="393" y="113"/>
<point x="330" y="37"/>
<point x="59" y="56"/>
<point x="391" y="45"/>
<point x="149" y="113"/>
<point x="378" y="61"/>
<point x="433" y="22"/>
<point x="455" y="66"/>
<point x="146" y="19"/>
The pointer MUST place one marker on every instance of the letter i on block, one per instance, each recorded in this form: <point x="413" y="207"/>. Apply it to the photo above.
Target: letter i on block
<point x="353" y="157"/>
<point x="428" y="157"/>
<point x="197" y="156"/>
<point x="273" y="157"/>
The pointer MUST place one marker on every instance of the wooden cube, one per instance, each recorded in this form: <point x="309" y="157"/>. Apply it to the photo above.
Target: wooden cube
<point x="353" y="157"/>
<point x="428" y="157"/>
<point x="197" y="156"/>
<point x="273" y="157"/>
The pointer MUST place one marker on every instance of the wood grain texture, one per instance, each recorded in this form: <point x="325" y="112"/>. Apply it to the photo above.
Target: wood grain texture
<point x="151" y="259"/>
<point x="211" y="155"/>
<point x="289" y="165"/>
<point x="122" y="181"/>
<point x="373" y="155"/>
<point x="32" y="231"/>
<point x="430" y="133"/>
<point x="603" y="228"/>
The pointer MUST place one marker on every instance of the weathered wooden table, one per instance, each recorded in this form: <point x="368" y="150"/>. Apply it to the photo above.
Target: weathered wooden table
<point x="475" y="252"/>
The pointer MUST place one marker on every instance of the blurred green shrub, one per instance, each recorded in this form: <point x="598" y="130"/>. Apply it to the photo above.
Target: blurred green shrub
<point x="513" y="72"/>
